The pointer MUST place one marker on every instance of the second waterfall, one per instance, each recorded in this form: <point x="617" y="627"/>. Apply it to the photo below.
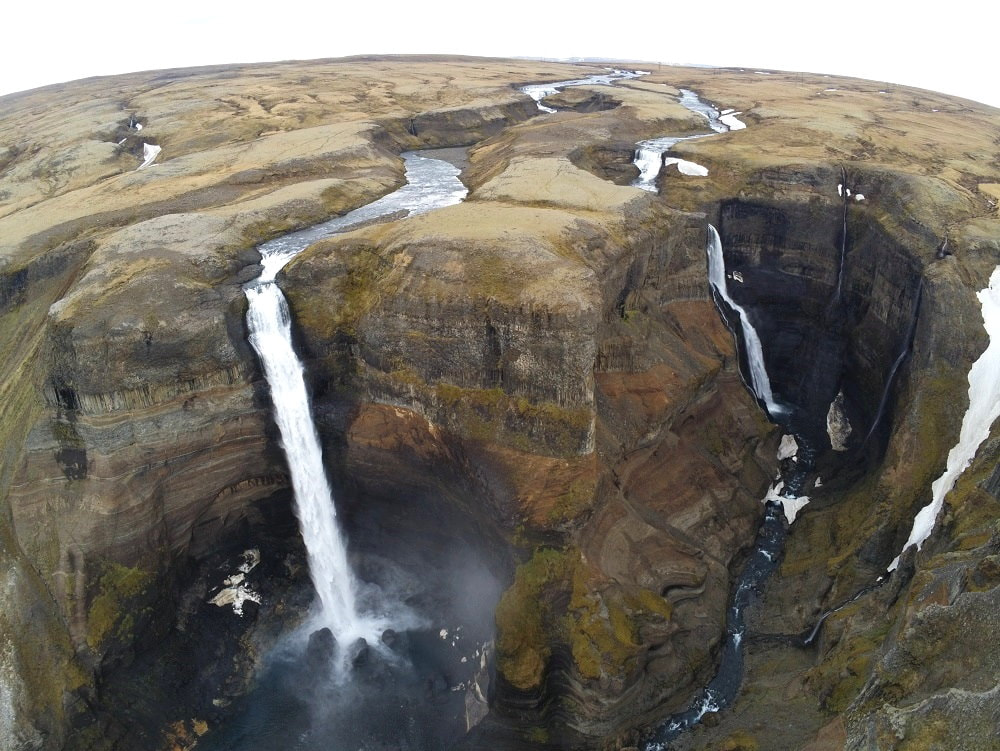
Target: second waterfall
<point x="431" y="183"/>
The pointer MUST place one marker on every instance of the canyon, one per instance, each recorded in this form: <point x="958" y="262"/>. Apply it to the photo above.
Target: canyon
<point x="537" y="420"/>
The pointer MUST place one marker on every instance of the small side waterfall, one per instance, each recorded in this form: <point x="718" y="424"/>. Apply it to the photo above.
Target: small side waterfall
<point x="903" y="352"/>
<point x="845" y="194"/>
<point x="760" y="384"/>
<point x="431" y="183"/>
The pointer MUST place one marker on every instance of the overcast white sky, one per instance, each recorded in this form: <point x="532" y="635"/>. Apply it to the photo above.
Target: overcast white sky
<point x="947" y="46"/>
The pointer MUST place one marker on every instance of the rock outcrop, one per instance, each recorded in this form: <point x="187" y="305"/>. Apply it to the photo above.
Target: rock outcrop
<point x="533" y="387"/>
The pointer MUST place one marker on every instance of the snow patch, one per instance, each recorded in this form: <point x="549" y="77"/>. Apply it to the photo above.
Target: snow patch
<point x="788" y="447"/>
<point x="685" y="167"/>
<point x="149" y="153"/>
<point x="236" y="590"/>
<point x="732" y="121"/>
<point x="791" y="505"/>
<point x="984" y="407"/>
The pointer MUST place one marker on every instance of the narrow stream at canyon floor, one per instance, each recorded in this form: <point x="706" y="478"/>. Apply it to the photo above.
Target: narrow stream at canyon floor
<point x="782" y="502"/>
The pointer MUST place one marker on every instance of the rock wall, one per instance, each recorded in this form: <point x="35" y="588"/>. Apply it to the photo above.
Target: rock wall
<point x="537" y="376"/>
<point x="136" y="428"/>
<point x="593" y="408"/>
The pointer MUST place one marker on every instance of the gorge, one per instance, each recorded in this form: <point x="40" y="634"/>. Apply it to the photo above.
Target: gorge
<point x="532" y="416"/>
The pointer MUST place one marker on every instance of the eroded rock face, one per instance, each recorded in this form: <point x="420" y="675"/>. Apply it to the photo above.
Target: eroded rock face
<point x="591" y="404"/>
<point x="531" y="388"/>
<point x="136" y="428"/>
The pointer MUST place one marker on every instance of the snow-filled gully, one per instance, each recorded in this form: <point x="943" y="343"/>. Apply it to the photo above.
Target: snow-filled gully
<point x="983" y="410"/>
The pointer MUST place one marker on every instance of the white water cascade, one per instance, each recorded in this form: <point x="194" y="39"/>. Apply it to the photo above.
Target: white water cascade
<point x="270" y="335"/>
<point x="759" y="382"/>
<point x="432" y="183"/>
<point x="649" y="160"/>
<point x="984" y="408"/>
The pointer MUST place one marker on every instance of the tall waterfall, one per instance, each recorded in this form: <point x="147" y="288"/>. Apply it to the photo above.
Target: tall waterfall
<point x="270" y="335"/>
<point x="431" y="183"/>
<point x="759" y="381"/>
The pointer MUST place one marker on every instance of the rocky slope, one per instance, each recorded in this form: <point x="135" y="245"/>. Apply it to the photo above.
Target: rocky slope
<point x="537" y="377"/>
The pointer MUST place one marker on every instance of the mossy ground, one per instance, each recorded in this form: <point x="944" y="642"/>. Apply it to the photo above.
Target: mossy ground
<point x="117" y="605"/>
<point x="557" y="598"/>
<point x="535" y="427"/>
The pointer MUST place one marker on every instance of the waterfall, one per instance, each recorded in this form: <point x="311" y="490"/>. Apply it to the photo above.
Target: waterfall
<point x="984" y="408"/>
<point x="903" y="352"/>
<point x="431" y="183"/>
<point x="845" y="194"/>
<point x="760" y="384"/>
<point x="782" y="502"/>
<point x="270" y="334"/>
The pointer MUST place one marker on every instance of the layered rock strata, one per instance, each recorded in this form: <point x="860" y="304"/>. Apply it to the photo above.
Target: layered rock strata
<point x="537" y="376"/>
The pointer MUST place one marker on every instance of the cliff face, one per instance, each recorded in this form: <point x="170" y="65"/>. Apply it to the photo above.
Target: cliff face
<point x="137" y="434"/>
<point x="537" y="377"/>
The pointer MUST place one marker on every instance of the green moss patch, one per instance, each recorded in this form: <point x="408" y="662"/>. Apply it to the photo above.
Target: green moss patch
<point x="117" y="605"/>
<point x="525" y="616"/>
<point x="556" y="599"/>
<point x="533" y="427"/>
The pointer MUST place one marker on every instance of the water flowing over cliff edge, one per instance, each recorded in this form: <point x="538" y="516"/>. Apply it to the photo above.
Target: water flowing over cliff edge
<point x="526" y="403"/>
